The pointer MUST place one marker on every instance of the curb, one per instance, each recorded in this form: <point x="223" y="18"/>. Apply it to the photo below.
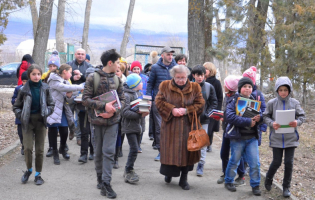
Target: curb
<point x="10" y="148"/>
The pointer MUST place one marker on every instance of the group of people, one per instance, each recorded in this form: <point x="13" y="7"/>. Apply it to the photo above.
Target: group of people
<point x="178" y="94"/>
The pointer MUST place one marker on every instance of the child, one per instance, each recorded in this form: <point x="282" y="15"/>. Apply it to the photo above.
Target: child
<point x="230" y="88"/>
<point x="62" y="117"/>
<point x="131" y="124"/>
<point x="282" y="143"/>
<point x="243" y="141"/>
<point x="24" y="79"/>
<point x="32" y="106"/>
<point x="208" y="93"/>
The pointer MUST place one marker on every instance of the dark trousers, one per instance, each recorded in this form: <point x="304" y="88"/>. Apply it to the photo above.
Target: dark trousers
<point x="119" y="138"/>
<point x="19" y="130"/>
<point x="133" y="141"/>
<point x="151" y="124"/>
<point x="85" y="134"/>
<point x="157" y="125"/>
<point x="288" y="164"/>
<point x="53" y="133"/>
<point x="225" y="154"/>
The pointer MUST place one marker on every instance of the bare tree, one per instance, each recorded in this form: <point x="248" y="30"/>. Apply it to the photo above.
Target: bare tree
<point x="60" y="30"/>
<point x="34" y="14"/>
<point x="127" y="29"/>
<point x="42" y="32"/>
<point x="208" y="29"/>
<point x="86" y="24"/>
<point x="196" y="37"/>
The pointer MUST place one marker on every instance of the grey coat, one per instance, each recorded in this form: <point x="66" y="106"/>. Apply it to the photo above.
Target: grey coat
<point x="58" y="88"/>
<point x="132" y="122"/>
<point x="22" y="105"/>
<point x="288" y="139"/>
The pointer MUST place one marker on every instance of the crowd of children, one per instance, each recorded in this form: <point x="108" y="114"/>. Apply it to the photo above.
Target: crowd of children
<point x="44" y="100"/>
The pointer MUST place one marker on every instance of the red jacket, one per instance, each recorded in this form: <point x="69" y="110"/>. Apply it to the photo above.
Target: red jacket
<point x="24" y="66"/>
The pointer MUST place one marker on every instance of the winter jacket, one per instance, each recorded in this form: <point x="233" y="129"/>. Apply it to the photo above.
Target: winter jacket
<point x="22" y="105"/>
<point x="227" y="99"/>
<point x="58" y="88"/>
<point x="288" y="139"/>
<point x="107" y="84"/>
<point x="175" y="130"/>
<point x="237" y="121"/>
<point x="23" y="67"/>
<point x="260" y="97"/>
<point x="144" y="79"/>
<point x="82" y="67"/>
<point x="159" y="72"/>
<point x="131" y="120"/>
<point x="15" y="94"/>
<point x="210" y="103"/>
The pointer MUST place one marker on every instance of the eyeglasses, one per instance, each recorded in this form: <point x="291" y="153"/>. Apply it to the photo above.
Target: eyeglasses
<point x="180" y="79"/>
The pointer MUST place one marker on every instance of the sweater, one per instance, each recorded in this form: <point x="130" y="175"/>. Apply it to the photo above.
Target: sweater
<point x="35" y="90"/>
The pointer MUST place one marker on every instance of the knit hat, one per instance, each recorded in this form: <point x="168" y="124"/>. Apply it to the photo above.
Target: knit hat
<point x="251" y="73"/>
<point x="54" y="59"/>
<point x="24" y="76"/>
<point x="231" y="82"/>
<point x="133" y="80"/>
<point x="243" y="81"/>
<point x="87" y="56"/>
<point x="154" y="57"/>
<point x="135" y="64"/>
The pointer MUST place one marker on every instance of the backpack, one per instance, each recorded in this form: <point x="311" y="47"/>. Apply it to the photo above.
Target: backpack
<point x="208" y="88"/>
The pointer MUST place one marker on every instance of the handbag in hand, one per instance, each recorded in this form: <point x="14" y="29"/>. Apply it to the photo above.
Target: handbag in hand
<point x="197" y="138"/>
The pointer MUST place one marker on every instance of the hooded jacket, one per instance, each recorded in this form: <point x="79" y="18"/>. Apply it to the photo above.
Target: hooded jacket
<point x="23" y="67"/>
<point x="288" y="139"/>
<point x="159" y="72"/>
<point x="131" y="120"/>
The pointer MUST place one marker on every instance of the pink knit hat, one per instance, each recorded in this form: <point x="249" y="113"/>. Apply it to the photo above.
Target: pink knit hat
<point x="231" y="82"/>
<point x="251" y="73"/>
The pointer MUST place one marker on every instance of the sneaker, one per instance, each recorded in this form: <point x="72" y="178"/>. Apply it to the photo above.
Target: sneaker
<point x="240" y="181"/>
<point x="155" y="148"/>
<point x="83" y="158"/>
<point x="25" y="176"/>
<point x="49" y="152"/>
<point x="256" y="191"/>
<point x="286" y="192"/>
<point x="221" y="179"/>
<point x="108" y="191"/>
<point x="268" y="183"/>
<point x="91" y="156"/>
<point x="151" y="138"/>
<point x="157" y="158"/>
<point x="230" y="186"/>
<point x="209" y="148"/>
<point x="139" y="150"/>
<point x="38" y="180"/>
<point x="131" y="177"/>
<point x="200" y="169"/>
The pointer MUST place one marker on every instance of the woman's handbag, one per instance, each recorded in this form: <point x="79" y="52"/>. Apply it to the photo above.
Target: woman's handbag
<point x="197" y="138"/>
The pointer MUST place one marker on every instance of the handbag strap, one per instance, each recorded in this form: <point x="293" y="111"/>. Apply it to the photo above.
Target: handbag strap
<point x="195" y="119"/>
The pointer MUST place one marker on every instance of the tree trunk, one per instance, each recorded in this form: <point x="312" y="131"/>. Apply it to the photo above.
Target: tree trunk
<point x="86" y="24"/>
<point x="125" y="40"/>
<point x="42" y="33"/>
<point x="34" y="14"/>
<point x="196" y="36"/>
<point x="60" y="30"/>
<point x="208" y="29"/>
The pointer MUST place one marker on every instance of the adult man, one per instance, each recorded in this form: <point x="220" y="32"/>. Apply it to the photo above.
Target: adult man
<point x="79" y="67"/>
<point x="159" y="73"/>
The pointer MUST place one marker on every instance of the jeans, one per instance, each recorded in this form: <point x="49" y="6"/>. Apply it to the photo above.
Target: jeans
<point x="288" y="164"/>
<point x="225" y="154"/>
<point x="157" y="125"/>
<point x="133" y="140"/>
<point x="85" y="133"/>
<point x="105" y="139"/>
<point x="204" y="149"/>
<point x="249" y="149"/>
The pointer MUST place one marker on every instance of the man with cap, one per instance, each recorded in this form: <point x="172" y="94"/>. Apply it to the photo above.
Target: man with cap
<point x="159" y="73"/>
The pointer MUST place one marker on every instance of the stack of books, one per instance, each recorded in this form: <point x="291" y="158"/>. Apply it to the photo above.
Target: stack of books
<point x="108" y="97"/>
<point x="142" y="105"/>
<point x="247" y="108"/>
<point x="216" y="114"/>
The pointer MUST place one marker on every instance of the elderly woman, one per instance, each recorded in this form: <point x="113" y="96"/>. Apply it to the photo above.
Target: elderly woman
<point x="176" y="102"/>
<point x="214" y="126"/>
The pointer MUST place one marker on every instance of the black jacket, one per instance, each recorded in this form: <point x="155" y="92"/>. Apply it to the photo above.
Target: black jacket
<point x="211" y="102"/>
<point x="22" y="105"/>
<point x="82" y="67"/>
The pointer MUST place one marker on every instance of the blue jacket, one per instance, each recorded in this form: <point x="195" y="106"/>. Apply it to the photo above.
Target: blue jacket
<point x="145" y="83"/>
<point x="159" y="73"/>
<point x="262" y="127"/>
<point x="15" y="94"/>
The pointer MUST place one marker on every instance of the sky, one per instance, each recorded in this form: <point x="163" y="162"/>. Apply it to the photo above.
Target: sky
<point x="153" y="15"/>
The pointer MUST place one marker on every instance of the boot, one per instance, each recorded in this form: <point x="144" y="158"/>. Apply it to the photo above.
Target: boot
<point x="268" y="183"/>
<point x="63" y="152"/>
<point x="116" y="166"/>
<point x="168" y="179"/>
<point x="99" y="181"/>
<point x="256" y="191"/>
<point x="108" y="191"/>
<point x="286" y="192"/>
<point x="183" y="182"/>
<point x="49" y="152"/>
<point x="120" y="152"/>
<point x="56" y="157"/>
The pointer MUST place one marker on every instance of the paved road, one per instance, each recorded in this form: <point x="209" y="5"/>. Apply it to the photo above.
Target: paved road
<point x="72" y="180"/>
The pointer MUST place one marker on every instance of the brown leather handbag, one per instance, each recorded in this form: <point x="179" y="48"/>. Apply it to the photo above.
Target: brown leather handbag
<point x="197" y="138"/>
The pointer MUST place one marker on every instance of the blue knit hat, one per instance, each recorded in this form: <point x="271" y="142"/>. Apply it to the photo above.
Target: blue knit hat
<point x="87" y="56"/>
<point x="54" y="59"/>
<point x="133" y="80"/>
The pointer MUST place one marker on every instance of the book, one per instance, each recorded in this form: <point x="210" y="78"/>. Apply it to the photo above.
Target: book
<point x="216" y="114"/>
<point x="242" y="103"/>
<point x="250" y="112"/>
<point x="147" y="97"/>
<point x="284" y="117"/>
<point x="135" y="101"/>
<point x="108" y="97"/>
<point x="78" y="98"/>
<point x="141" y="105"/>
